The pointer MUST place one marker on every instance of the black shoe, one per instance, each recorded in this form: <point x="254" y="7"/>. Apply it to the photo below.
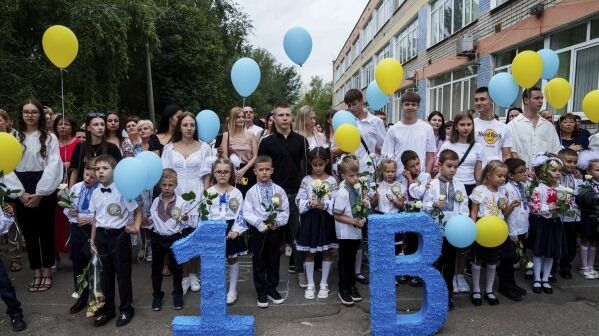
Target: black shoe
<point x="402" y="280"/>
<point x="415" y="282"/>
<point x="125" y="318"/>
<point x="552" y="279"/>
<point x="566" y="274"/>
<point x="536" y="289"/>
<point x="17" y="322"/>
<point x="178" y="301"/>
<point x="493" y="301"/>
<point x="103" y="318"/>
<point x="547" y="288"/>
<point x="476" y="301"/>
<point x="291" y="269"/>
<point x="450" y="302"/>
<point x="355" y="295"/>
<point x="519" y="289"/>
<point x="78" y="306"/>
<point x="346" y="298"/>
<point x="275" y="297"/>
<point x="361" y="279"/>
<point x="262" y="300"/>
<point x="510" y="293"/>
<point x="157" y="302"/>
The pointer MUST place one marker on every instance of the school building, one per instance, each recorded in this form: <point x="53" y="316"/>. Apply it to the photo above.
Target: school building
<point x="448" y="48"/>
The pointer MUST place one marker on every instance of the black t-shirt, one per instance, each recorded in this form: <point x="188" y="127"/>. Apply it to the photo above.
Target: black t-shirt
<point x="154" y="144"/>
<point x="78" y="159"/>
<point x="578" y="139"/>
<point x="289" y="156"/>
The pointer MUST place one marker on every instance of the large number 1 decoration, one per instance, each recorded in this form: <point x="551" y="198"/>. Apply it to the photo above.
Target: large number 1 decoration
<point x="385" y="265"/>
<point x="208" y="242"/>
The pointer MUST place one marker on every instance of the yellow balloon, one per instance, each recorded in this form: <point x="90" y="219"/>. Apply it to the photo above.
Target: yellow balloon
<point x="388" y="75"/>
<point x="527" y="68"/>
<point x="60" y="45"/>
<point x="590" y="106"/>
<point x="558" y="92"/>
<point x="491" y="231"/>
<point x="347" y="138"/>
<point x="10" y="152"/>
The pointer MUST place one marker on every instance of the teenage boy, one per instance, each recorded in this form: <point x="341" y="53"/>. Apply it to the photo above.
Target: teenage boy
<point x="492" y="134"/>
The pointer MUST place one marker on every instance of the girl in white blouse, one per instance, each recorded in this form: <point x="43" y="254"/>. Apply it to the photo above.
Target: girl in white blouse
<point x="36" y="178"/>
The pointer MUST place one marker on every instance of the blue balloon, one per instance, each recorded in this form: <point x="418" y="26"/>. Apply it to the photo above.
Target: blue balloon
<point x="153" y="166"/>
<point x="460" y="231"/>
<point x="245" y="76"/>
<point x="503" y="89"/>
<point x="375" y="97"/>
<point x="298" y="45"/>
<point x="208" y="125"/>
<point x="130" y="177"/>
<point x="344" y="117"/>
<point x="550" y="63"/>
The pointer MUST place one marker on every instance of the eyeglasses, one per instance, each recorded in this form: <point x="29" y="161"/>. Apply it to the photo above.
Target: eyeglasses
<point x="96" y="115"/>
<point x="520" y="171"/>
<point x="222" y="172"/>
<point x="31" y="113"/>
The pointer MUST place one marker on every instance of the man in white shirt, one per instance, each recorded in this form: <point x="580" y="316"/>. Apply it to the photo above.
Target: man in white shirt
<point x="410" y="133"/>
<point x="530" y="133"/>
<point x="493" y="135"/>
<point x="248" y="112"/>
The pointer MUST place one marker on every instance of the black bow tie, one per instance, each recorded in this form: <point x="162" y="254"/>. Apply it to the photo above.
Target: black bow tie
<point x="108" y="190"/>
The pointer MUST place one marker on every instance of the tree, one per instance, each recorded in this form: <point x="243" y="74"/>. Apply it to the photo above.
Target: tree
<point x="319" y="96"/>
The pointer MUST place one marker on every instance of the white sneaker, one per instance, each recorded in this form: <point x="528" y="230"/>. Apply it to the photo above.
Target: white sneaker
<point x="185" y="283"/>
<point x="231" y="298"/>
<point x="323" y="293"/>
<point x="302" y="280"/>
<point x="195" y="283"/>
<point x="595" y="273"/>
<point x="288" y="250"/>
<point x="455" y="284"/>
<point x="462" y="284"/>
<point x="309" y="293"/>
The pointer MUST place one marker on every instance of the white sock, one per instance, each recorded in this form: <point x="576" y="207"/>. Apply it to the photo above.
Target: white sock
<point x="309" y="272"/>
<point x="326" y="268"/>
<point x="233" y="276"/>
<point x="591" y="258"/>
<point x="584" y="257"/>
<point x="490" y="277"/>
<point x="547" y="264"/>
<point x="475" y="278"/>
<point x="358" y="264"/>
<point x="537" y="264"/>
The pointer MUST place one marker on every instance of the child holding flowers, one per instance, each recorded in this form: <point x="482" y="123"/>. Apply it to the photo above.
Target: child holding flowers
<point x="317" y="227"/>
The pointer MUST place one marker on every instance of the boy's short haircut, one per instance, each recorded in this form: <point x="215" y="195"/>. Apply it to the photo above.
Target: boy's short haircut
<point x="105" y="158"/>
<point x="514" y="163"/>
<point x="353" y="95"/>
<point x="349" y="164"/>
<point x="410" y="97"/>
<point x="263" y="159"/>
<point x="567" y="152"/>
<point x="448" y="154"/>
<point x="90" y="164"/>
<point x="282" y="104"/>
<point x="408" y="156"/>
<point x="380" y="112"/>
<point x="168" y="173"/>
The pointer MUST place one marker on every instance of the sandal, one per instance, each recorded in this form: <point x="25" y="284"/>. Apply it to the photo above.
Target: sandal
<point x="34" y="286"/>
<point x="15" y="266"/>
<point x="45" y="286"/>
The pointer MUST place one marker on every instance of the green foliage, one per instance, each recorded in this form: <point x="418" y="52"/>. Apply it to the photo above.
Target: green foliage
<point x="319" y="96"/>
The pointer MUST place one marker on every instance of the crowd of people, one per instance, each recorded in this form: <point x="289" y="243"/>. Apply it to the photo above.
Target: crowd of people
<point x="281" y="184"/>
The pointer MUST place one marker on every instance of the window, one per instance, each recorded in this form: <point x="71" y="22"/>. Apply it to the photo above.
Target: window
<point x="384" y="53"/>
<point x="449" y="16"/>
<point x="495" y="3"/>
<point x="452" y="92"/>
<point x="385" y="11"/>
<point x="406" y="45"/>
<point x="569" y="37"/>
<point x="367" y="73"/>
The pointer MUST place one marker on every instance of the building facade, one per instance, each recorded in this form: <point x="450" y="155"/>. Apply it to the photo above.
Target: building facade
<point x="448" y="48"/>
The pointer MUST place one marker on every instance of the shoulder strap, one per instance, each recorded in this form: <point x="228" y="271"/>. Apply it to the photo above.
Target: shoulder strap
<point x="364" y="145"/>
<point x="466" y="154"/>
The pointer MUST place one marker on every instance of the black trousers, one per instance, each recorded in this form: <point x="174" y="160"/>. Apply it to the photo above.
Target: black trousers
<point x="293" y="224"/>
<point x="266" y="254"/>
<point x="80" y="252"/>
<point x="8" y="294"/>
<point x="347" y="260"/>
<point x="114" y="247"/>
<point x="505" y="267"/>
<point x="568" y="256"/>
<point x="37" y="224"/>
<point x="446" y="263"/>
<point x="161" y="246"/>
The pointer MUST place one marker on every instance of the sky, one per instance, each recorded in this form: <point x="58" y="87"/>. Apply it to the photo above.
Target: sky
<point x="329" y="22"/>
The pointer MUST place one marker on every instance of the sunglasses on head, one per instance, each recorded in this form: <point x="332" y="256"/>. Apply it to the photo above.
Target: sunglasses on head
<point x="96" y="115"/>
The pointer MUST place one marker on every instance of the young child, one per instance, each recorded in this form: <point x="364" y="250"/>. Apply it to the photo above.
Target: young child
<point x="81" y="219"/>
<point x="9" y="295"/>
<point x="447" y="195"/>
<point x="348" y="227"/>
<point x="391" y="195"/>
<point x="167" y="219"/>
<point x="266" y="209"/>
<point x="228" y="207"/>
<point x="317" y="229"/>
<point x="569" y="179"/>
<point x="589" y="225"/>
<point x="110" y="236"/>
<point x="546" y="208"/>
<point x="489" y="199"/>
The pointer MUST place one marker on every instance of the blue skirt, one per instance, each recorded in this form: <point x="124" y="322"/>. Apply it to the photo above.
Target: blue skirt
<point x="316" y="232"/>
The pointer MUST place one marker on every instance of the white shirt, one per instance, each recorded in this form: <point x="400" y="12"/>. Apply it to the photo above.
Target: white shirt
<point x="460" y="200"/>
<point x="190" y="170"/>
<point x="5" y="222"/>
<point x="254" y="212"/>
<point x="305" y="195"/>
<point x="493" y="136"/>
<point x="517" y="220"/>
<point x="529" y="141"/>
<point x="418" y="137"/>
<point x="228" y="207"/>
<point x="489" y="202"/>
<point x="32" y="161"/>
<point x="569" y="181"/>
<point x="465" y="172"/>
<point x="76" y="191"/>
<point x="256" y="130"/>
<point x="342" y="206"/>
<point x="396" y="190"/>
<point x="317" y="140"/>
<point x="175" y="223"/>
<point x="111" y="210"/>
<point x="372" y="130"/>
<point x="418" y="187"/>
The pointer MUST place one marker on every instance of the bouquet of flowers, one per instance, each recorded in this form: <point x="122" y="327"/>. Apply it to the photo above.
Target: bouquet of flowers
<point x="360" y="210"/>
<point x="204" y="204"/>
<point x="413" y="206"/>
<point x="91" y="278"/>
<point x="68" y="202"/>
<point x="565" y="202"/>
<point x="320" y="189"/>
<point x="523" y="259"/>
<point x="273" y="209"/>
<point x="437" y="212"/>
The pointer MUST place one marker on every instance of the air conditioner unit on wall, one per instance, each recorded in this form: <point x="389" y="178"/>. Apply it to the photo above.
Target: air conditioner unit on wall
<point x="465" y="45"/>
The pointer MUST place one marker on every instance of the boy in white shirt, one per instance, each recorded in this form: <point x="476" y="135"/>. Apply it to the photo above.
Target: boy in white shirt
<point x="110" y="236"/>
<point x="266" y="209"/>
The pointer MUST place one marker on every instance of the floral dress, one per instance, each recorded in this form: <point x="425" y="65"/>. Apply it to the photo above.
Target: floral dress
<point x="547" y="207"/>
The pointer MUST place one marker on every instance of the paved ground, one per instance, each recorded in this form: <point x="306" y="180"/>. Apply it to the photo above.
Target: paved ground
<point x="572" y="310"/>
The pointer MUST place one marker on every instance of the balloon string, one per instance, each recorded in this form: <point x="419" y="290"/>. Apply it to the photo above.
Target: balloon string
<point x="63" y="120"/>
<point x="243" y="102"/>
